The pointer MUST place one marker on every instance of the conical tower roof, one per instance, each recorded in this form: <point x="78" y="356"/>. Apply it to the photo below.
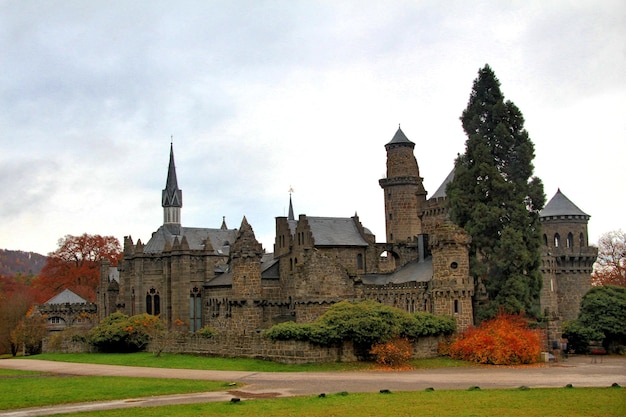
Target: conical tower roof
<point x="560" y="205"/>
<point x="172" y="195"/>
<point x="400" y="138"/>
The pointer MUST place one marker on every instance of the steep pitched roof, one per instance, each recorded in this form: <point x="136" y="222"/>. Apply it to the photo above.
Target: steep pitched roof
<point x="335" y="231"/>
<point x="196" y="237"/>
<point x="441" y="191"/>
<point x="172" y="196"/>
<point x="65" y="297"/>
<point x="560" y="205"/>
<point x="400" y="137"/>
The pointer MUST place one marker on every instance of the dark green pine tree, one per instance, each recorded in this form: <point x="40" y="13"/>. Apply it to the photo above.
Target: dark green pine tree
<point x="495" y="197"/>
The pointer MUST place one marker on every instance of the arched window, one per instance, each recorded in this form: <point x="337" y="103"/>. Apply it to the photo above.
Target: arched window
<point x="153" y="302"/>
<point x="359" y="261"/>
<point x="557" y="240"/>
<point x="195" y="310"/>
<point x="570" y="240"/>
<point x="545" y="239"/>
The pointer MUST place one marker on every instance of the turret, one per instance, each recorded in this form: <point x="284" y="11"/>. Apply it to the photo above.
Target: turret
<point x="567" y="256"/>
<point x="404" y="190"/>
<point x="245" y="260"/>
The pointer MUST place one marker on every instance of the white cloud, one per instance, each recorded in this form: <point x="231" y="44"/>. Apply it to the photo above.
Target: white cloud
<point x="261" y="96"/>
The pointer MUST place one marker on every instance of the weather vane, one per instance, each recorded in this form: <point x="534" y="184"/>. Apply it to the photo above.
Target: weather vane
<point x="290" y="190"/>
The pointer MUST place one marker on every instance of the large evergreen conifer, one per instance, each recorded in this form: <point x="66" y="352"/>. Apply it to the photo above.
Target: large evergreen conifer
<point x="497" y="200"/>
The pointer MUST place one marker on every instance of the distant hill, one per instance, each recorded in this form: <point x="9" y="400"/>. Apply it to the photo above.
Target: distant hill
<point x="13" y="262"/>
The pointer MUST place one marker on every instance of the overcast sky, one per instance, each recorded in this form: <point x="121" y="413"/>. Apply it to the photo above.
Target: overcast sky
<point x="261" y="96"/>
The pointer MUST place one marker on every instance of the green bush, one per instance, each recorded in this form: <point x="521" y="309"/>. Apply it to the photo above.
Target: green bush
<point x="579" y="336"/>
<point x="120" y="333"/>
<point x="364" y="323"/>
<point x="206" y="332"/>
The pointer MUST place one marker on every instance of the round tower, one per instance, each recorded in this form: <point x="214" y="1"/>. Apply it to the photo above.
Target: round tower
<point x="404" y="190"/>
<point x="567" y="257"/>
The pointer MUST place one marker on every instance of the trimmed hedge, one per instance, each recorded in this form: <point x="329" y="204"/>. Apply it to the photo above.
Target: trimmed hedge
<point x="365" y="323"/>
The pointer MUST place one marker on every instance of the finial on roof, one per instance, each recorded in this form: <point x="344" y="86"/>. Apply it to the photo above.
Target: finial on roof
<point x="224" y="223"/>
<point x="171" y="139"/>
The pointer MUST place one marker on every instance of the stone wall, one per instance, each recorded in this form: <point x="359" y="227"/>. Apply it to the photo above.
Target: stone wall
<point x="258" y="347"/>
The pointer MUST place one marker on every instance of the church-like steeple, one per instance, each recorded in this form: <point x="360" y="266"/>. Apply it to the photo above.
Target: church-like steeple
<point x="172" y="196"/>
<point x="290" y="216"/>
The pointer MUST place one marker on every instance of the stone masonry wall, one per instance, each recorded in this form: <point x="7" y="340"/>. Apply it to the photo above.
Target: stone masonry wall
<point x="257" y="346"/>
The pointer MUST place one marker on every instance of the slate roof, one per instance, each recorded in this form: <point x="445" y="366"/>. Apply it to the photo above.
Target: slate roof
<point x="65" y="297"/>
<point x="400" y="137"/>
<point x="413" y="271"/>
<point x="560" y="205"/>
<point x="269" y="270"/>
<point x="335" y="231"/>
<point x="196" y="237"/>
<point x="441" y="191"/>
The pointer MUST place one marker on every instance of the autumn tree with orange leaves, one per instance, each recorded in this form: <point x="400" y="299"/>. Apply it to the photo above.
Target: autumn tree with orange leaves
<point x="610" y="267"/>
<point x="75" y="265"/>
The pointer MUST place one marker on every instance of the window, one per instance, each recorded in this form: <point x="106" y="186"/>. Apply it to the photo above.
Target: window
<point x="456" y="306"/>
<point x="570" y="240"/>
<point x="153" y="302"/>
<point x="557" y="240"/>
<point x="195" y="310"/>
<point x="582" y="241"/>
<point x="545" y="239"/>
<point x="359" y="261"/>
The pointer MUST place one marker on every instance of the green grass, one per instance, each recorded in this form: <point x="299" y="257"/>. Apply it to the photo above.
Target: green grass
<point x="19" y="389"/>
<point x="180" y="361"/>
<point x="605" y="402"/>
<point x="14" y="372"/>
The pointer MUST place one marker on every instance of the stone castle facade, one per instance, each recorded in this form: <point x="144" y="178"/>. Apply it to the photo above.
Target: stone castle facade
<point x="224" y="279"/>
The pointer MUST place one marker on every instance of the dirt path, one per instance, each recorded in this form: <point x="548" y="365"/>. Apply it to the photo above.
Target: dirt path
<point x="579" y="371"/>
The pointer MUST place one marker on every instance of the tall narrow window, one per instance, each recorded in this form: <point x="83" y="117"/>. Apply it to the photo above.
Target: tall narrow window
<point x="153" y="302"/>
<point x="359" y="261"/>
<point x="545" y="239"/>
<point x="557" y="240"/>
<point x="582" y="241"/>
<point x="456" y="306"/>
<point x="195" y="310"/>
<point x="570" y="240"/>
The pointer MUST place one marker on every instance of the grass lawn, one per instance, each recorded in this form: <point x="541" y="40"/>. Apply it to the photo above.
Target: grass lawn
<point x="19" y="389"/>
<point x="604" y="402"/>
<point x="181" y="361"/>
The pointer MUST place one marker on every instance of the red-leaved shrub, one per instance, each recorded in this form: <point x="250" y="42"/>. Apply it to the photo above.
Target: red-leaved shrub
<point x="504" y="340"/>
<point x="394" y="353"/>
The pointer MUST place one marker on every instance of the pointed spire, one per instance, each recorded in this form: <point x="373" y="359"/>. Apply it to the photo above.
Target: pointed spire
<point x="224" y="227"/>
<point x="172" y="195"/>
<point x="290" y="216"/>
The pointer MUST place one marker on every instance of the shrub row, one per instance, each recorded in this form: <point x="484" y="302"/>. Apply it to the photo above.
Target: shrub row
<point x="365" y="323"/>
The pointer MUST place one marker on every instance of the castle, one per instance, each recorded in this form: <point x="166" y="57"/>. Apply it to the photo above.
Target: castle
<point x="224" y="279"/>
